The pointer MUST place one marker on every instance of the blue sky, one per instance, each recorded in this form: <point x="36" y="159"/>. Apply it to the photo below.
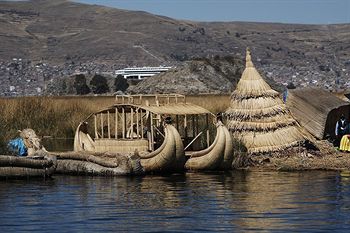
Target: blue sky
<point x="284" y="11"/>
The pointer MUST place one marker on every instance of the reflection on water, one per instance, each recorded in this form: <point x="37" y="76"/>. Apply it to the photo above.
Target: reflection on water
<point x="58" y="144"/>
<point x="237" y="201"/>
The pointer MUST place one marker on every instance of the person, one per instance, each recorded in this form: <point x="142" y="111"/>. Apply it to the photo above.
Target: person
<point x="341" y="128"/>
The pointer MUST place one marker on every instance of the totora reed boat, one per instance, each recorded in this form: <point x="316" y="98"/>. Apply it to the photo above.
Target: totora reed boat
<point x="164" y="132"/>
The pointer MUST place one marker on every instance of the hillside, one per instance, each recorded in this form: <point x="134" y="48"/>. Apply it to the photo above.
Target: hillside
<point x="61" y="33"/>
<point x="216" y="75"/>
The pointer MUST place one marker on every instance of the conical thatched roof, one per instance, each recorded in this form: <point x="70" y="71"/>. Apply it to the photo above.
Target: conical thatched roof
<point x="257" y="115"/>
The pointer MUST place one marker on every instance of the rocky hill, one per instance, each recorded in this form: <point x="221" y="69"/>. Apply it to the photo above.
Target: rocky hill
<point x="216" y="75"/>
<point x="70" y="37"/>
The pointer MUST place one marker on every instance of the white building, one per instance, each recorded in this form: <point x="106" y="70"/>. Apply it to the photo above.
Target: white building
<point x="139" y="73"/>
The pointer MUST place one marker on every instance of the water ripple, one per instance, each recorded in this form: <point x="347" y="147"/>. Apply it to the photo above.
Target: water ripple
<point x="192" y="202"/>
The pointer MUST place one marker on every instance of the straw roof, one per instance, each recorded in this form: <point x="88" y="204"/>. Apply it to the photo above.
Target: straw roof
<point x="312" y="108"/>
<point x="172" y="108"/>
<point x="257" y="115"/>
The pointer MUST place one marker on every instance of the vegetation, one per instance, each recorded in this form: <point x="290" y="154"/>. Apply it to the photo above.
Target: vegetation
<point x="80" y="85"/>
<point x="99" y="84"/>
<point x="59" y="116"/>
<point x="120" y="83"/>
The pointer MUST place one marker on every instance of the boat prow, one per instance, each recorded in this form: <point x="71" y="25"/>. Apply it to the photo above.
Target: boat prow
<point x="217" y="156"/>
<point x="169" y="156"/>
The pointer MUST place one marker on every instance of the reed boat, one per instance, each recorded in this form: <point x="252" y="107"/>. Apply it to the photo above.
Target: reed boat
<point x="35" y="166"/>
<point x="164" y="131"/>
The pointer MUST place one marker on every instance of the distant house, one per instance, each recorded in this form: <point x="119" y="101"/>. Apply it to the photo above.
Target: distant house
<point x="139" y="73"/>
<point x="317" y="110"/>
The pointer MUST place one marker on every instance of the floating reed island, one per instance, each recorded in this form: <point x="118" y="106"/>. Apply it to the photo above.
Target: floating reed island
<point x="164" y="131"/>
<point x="273" y="138"/>
<point x="140" y="134"/>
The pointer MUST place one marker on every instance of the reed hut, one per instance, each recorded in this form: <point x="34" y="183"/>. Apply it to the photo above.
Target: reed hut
<point x="317" y="110"/>
<point x="258" y="117"/>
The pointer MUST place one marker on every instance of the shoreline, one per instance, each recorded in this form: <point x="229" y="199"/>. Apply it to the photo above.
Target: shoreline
<point x="338" y="161"/>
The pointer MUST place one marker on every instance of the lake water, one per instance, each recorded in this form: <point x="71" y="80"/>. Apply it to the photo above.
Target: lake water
<point x="193" y="202"/>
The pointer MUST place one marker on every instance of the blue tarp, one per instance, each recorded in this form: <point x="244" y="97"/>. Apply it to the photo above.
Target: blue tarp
<point x="17" y="147"/>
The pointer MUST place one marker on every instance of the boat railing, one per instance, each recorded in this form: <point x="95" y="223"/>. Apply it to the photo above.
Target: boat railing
<point x="150" y="99"/>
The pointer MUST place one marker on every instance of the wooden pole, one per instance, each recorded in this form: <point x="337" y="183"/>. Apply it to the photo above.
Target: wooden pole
<point x="108" y="126"/>
<point x="101" y="125"/>
<point x="207" y="122"/>
<point x="194" y="139"/>
<point x="185" y="127"/>
<point x="96" y="134"/>
<point x="137" y="123"/>
<point x="141" y="124"/>
<point x="152" y="133"/>
<point x="116" y="123"/>
<point x="132" y="123"/>
<point x="123" y="119"/>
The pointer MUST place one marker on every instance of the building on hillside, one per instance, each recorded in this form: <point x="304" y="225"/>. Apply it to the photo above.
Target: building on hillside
<point x="258" y="117"/>
<point x="139" y="73"/>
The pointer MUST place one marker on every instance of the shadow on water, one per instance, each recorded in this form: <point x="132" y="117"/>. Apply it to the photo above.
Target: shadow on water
<point x="191" y="202"/>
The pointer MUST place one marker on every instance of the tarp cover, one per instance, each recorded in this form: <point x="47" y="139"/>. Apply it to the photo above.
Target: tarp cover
<point x="17" y="147"/>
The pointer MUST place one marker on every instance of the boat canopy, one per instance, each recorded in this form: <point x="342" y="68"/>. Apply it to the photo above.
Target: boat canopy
<point x="172" y="104"/>
<point x="171" y="109"/>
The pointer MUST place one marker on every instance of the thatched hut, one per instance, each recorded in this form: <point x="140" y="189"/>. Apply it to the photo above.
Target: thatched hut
<point x="317" y="110"/>
<point x="258" y="117"/>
